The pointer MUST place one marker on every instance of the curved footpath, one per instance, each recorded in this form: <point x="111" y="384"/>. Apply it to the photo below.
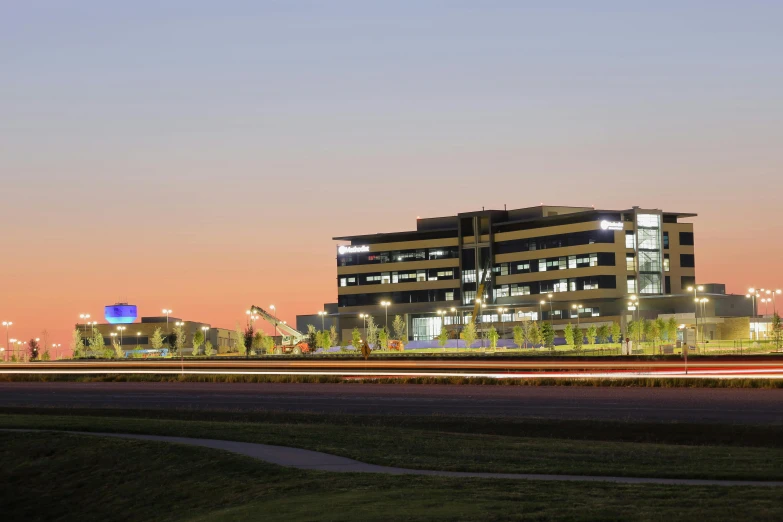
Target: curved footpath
<point x="314" y="460"/>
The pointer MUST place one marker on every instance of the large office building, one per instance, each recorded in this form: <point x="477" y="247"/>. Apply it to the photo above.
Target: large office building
<point x="545" y="262"/>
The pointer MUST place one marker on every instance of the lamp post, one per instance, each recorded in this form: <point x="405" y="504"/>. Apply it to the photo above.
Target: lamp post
<point x="113" y="336"/>
<point x="577" y="307"/>
<point x="205" y="329"/>
<point x="695" y="290"/>
<point x="322" y="314"/>
<point x="167" y="312"/>
<point x="121" y="329"/>
<point x="541" y="315"/>
<point x="753" y="296"/>
<point x="55" y="347"/>
<point x="703" y="303"/>
<point x="503" y="310"/>
<point x="7" y="324"/>
<point x="456" y="323"/>
<point x="386" y="305"/>
<point x="551" y="315"/>
<point x="12" y="347"/>
<point x="180" y="324"/>
<point x="84" y="317"/>
<point x="138" y="338"/>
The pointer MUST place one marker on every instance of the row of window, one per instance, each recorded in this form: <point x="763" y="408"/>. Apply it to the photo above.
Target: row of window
<point x="650" y="262"/>
<point x="385" y="278"/>
<point x="397" y="256"/>
<point x="648" y="239"/>
<point x="557" y="241"/>
<point x="412" y="296"/>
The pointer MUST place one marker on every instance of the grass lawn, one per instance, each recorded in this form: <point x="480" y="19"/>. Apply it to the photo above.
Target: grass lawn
<point x="580" y="448"/>
<point x="68" y="477"/>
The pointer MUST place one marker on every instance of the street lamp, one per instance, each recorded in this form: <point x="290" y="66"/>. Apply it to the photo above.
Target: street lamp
<point x="696" y="289"/>
<point x="551" y="315"/>
<point x="577" y="307"/>
<point x="503" y="310"/>
<point x="121" y="329"/>
<point x="753" y="296"/>
<point x="55" y="347"/>
<point x="83" y="317"/>
<point x="703" y="309"/>
<point x="138" y="338"/>
<point x="322" y="314"/>
<point x="12" y="347"/>
<point x="442" y="314"/>
<point x="386" y="305"/>
<point x="541" y="315"/>
<point x="167" y="312"/>
<point x="7" y="324"/>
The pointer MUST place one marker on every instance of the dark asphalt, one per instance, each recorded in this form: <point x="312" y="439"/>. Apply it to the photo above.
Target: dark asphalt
<point x="651" y="404"/>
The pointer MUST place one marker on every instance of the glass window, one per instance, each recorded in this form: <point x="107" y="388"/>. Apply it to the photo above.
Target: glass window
<point x="343" y="281"/>
<point x="650" y="283"/>
<point x="648" y="220"/>
<point x="665" y="240"/>
<point x="542" y="265"/>
<point x="649" y="239"/>
<point x="501" y="291"/>
<point x="469" y="276"/>
<point x="630" y="240"/>
<point x="649" y="261"/>
<point x="520" y="290"/>
<point x="421" y="275"/>
<point x="631" y="286"/>
<point x="571" y="261"/>
<point x="469" y="296"/>
<point x="630" y="263"/>
<point x="523" y="267"/>
<point x="666" y="264"/>
<point x="395" y="277"/>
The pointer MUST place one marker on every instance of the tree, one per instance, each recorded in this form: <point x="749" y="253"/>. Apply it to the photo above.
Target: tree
<point x="77" y="345"/>
<point x="534" y="335"/>
<point x="492" y="335"/>
<point x="117" y="351"/>
<point x="671" y="330"/>
<point x="400" y="329"/>
<point x="633" y="330"/>
<point x="603" y="334"/>
<point x="322" y="340"/>
<point x="592" y="333"/>
<point x="578" y="338"/>
<point x="657" y="328"/>
<point x="356" y="339"/>
<point x="97" y="344"/>
<point x="208" y="348"/>
<point x="548" y="335"/>
<point x="443" y="338"/>
<point x="643" y="330"/>
<point x="568" y="334"/>
<point x="372" y="332"/>
<point x="198" y="340"/>
<point x="383" y="339"/>
<point x="46" y="356"/>
<point x="312" y="337"/>
<point x="240" y="343"/>
<point x="33" y="346"/>
<point x="179" y="338"/>
<point x="777" y="331"/>
<point x="616" y="332"/>
<point x="519" y="336"/>
<point x="156" y="341"/>
<point x="468" y="334"/>
<point x="332" y="336"/>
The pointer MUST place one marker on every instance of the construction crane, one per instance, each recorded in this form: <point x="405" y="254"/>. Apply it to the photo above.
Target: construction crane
<point x="292" y="339"/>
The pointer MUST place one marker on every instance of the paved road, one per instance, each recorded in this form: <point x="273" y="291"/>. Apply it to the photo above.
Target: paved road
<point x="315" y="460"/>
<point x="761" y="406"/>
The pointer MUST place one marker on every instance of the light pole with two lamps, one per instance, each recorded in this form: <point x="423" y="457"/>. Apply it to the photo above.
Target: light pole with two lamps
<point x="695" y="289"/>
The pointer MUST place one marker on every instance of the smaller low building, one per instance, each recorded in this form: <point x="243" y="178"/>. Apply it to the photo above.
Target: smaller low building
<point x="139" y="334"/>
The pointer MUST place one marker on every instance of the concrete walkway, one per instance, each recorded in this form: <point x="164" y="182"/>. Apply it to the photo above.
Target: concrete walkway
<point x="314" y="460"/>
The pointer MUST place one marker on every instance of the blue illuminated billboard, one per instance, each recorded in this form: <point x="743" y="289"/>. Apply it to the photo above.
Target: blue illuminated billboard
<point x="120" y="314"/>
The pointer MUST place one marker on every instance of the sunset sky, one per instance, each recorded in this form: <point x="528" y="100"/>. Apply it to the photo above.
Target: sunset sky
<point x="200" y="155"/>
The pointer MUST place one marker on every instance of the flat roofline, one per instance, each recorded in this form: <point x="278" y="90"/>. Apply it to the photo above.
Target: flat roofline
<point x="404" y="232"/>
